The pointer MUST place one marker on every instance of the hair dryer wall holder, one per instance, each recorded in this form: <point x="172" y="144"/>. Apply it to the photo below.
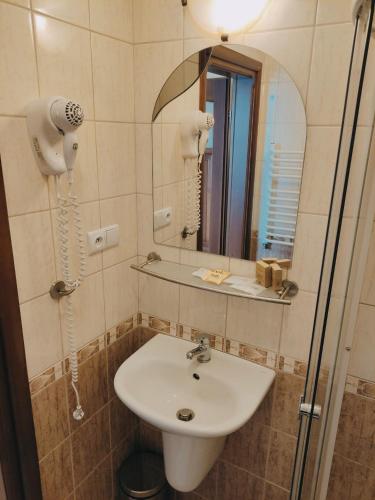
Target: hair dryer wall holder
<point x="59" y="289"/>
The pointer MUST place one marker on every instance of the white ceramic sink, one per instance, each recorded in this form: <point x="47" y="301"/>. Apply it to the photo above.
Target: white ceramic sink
<point x="158" y="380"/>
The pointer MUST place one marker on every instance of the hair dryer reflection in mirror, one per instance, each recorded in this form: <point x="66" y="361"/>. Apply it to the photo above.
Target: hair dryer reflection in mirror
<point x="195" y="127"/>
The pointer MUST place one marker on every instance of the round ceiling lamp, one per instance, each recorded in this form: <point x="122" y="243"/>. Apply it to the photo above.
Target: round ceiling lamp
<point x="224" y="17"/>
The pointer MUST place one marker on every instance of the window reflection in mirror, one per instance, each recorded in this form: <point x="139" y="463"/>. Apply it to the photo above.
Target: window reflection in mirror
<point x="240" y="198"/>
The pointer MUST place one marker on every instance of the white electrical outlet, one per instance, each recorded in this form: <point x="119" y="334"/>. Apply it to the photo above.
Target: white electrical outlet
<point x="162" y="218"/>
<point x="103" y="238"/>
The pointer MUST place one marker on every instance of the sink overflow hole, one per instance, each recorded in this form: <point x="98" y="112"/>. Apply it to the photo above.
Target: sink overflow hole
<point x="185" y="414"/>
<point x="196" y="376"/>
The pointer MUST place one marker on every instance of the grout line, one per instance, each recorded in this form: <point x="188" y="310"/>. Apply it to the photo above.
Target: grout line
<point x="244" y="35"/>
<point x="108" y="456"/>
<point x="68" y="438"/>
<point x="64" y="373"/>
<point x="91" y="417"/>
<point x="97" y="162"/>
<point x="35" y="11"/>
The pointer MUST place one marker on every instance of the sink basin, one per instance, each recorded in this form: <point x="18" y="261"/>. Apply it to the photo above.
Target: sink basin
<point x="157" y="381"/>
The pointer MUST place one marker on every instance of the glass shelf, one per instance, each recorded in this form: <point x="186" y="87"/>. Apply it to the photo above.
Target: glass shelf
<point x="182" y="274"/>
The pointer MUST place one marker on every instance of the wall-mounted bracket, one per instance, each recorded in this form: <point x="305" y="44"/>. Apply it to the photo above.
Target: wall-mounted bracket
<point x="151" y="257"/>
<point x="59" y="289"/>
<point x="290" y="289"/>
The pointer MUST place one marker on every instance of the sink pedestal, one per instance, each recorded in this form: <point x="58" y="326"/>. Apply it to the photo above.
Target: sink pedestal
<point x="188" y="459"/>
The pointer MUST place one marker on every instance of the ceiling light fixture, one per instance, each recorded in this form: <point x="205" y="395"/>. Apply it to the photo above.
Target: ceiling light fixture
<point x="225" y="17"/>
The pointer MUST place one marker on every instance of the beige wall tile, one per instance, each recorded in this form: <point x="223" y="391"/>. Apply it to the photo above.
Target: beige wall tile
<point x="297" y="326"/>
<point x="192" y="31"/>
<point x="172" y="162"/>
<point x="334" y="11"/>
<point x="318" y="169"/>
<point x="23" y="3"/>
<point x="254" y="323"/>
<point x="33" y="254"/>
<point x="157" y="148"/>
<point x="286" y="14"/>
<point x="116" y="159"/>
<point x="367" y="109"/>
<point x="90" y="216"/>
<point x="202" y="259"/>
<point x="308" y="251"/>
<point x="85" y="173"/>
<point x="174" y="110"/>
<point x="72" y="11"/>
<point x="368" y="287"/>
<point x="41" y="334"/>
<point x="153" y="63"/>
<point x="170" y="196"/>
<point x="158" y="298"/>
<point x="344" y="256"/>
<point x="64" y="61"/>
<point x="145" y="224"/>
<point x="242" y="267"/>
<point x="88" y="306"/>
<point x="329" y="72"/>
<point x="362" y="356"/>
<point x="281" y="46"/>
<point x="193" y="45"/>
<point x="144" y="160"/>
<point x="123" y="211"/>
<point x="357" y="171"/>
<point x="121" y="292"/>
<point x="336" y="308"/>
<point x="112" y="17"/>
<point x="26" y="188"/>
<point x="18" y="77"/>
<point x="156" y="20"/>
<point x="113" y="79"/>
<point x="194" y="305"/>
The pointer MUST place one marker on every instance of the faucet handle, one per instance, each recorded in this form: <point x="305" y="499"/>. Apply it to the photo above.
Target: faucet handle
<point x="204" y="341"/>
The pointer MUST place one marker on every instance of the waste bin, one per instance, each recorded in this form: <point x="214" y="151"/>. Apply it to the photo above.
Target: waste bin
<point x="142" y="476"/>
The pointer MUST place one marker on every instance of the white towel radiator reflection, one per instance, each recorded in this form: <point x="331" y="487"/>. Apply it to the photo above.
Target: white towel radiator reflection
<point x="283" y="196"/>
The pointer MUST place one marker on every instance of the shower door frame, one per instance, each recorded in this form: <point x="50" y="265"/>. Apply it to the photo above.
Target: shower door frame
<point x="333" y="239"/>
<point x="18" y="452"/>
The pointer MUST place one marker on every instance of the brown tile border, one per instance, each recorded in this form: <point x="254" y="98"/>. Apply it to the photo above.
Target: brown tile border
<point x="249" y="352"/>
<point x="360" y="387"/>
<point x="255" y="354"/>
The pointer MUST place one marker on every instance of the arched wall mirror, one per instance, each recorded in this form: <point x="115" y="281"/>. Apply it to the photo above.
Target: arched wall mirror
<point x="229" y="133"/>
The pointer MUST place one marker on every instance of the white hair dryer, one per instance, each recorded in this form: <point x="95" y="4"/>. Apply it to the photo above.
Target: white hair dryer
<point x="195" y="127"/>
<point x="49" y="120"/>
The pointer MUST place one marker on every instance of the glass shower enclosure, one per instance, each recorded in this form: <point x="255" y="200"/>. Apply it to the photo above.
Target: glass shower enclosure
<point x="341" y="273"/>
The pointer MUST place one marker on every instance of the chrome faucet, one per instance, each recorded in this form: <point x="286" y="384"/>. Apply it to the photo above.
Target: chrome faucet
<point x="203" y="351"/>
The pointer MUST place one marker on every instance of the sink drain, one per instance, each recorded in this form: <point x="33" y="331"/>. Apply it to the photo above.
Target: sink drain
<point x="185" y="414"/>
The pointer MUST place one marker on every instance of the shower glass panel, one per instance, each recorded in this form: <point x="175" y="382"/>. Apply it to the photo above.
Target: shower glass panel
<point x="333" y="286"/>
